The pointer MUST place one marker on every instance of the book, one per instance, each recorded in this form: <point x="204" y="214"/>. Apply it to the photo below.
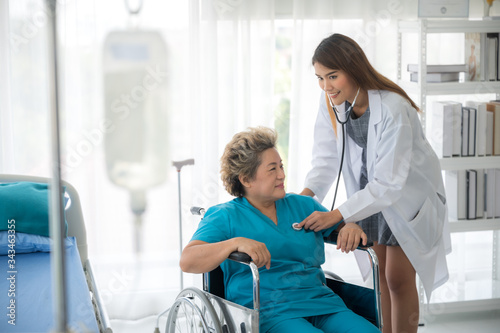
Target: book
<point x="456" y="127"/>
<point x="491" y="34"/>
<point x="437" y="77"/>
<point x="456" y="188"/>
<point x="472" y="132"/>
<point x="439" y="68"/>
<point x="492" y="56"/>
<point x="471" y="199"/>
<point x="496" y="35"/>
<point x="480" y="110"/>
<point x="489" y="132"/>
<point x="441" y="137"/>
<point x="480" y="193"/>
<point x="490" y="192"/>
<point x="473" y="56"/>
<point x="465" y="132"/>
<point x="497" y="192"/>
<point x="494" y="107"/>
<point x="484" y="58"/>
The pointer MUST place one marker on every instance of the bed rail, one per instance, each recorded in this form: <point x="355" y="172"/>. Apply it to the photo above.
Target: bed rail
<point x="99" y="309"/>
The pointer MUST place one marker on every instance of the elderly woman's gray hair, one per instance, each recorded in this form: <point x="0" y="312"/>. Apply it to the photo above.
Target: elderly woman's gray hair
<point x="242" y="156"/>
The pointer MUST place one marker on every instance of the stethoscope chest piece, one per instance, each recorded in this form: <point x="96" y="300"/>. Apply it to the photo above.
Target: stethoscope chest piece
<point x="296" y="227"/>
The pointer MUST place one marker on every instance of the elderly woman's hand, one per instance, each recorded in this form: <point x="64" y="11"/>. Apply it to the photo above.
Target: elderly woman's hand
<point x="350" y="236"/>
<point x="256" y="250"/>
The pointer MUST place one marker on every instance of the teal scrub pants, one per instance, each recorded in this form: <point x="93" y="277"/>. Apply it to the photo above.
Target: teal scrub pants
<point x="340" y="322"/>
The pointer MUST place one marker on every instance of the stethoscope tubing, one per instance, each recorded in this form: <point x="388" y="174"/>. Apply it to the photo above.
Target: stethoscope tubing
<point x="341" y="164"/>
<point x="348" y="115"/>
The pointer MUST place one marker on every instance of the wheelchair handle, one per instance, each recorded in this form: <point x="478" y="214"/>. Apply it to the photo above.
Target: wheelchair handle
<point x="197" y="210"/>
<point x="240" y="257"/>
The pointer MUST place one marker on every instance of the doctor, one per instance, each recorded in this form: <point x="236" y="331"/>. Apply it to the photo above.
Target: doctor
<point x="392" y="177"/>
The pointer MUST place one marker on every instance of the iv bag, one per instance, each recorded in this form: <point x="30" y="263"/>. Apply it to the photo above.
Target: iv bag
<point x="135" y="86"/>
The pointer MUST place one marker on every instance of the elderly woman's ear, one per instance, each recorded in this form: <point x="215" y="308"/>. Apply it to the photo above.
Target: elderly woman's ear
<point x="244" y="180"/>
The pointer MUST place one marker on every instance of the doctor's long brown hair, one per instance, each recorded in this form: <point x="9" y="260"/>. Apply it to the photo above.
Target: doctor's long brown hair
<point x="343" y="53"/>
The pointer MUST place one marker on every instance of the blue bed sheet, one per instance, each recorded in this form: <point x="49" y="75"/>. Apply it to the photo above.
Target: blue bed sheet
<point x="26" y="293"/>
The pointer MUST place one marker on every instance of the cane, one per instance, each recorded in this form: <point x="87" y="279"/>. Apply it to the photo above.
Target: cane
<point x="178" y="165"/>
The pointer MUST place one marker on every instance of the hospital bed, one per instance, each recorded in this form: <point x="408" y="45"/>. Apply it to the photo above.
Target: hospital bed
<point x="26" y="294"/>
<point x="207" y="310"/>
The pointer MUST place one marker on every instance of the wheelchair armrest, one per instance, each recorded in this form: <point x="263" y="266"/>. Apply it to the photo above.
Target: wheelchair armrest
<point x="244" y="258"/>
<point x="332" y="239"/>
<point x="240" y="257"/>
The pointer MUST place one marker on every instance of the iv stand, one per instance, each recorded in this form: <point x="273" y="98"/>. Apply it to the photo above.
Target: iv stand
<point x="178" y="165"/>
<point x="57" y="255"/>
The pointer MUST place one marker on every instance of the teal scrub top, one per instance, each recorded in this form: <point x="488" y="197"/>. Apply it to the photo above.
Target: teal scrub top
<point x="294" y="286"/>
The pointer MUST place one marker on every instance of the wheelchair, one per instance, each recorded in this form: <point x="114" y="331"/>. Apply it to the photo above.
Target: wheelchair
<point x="207" y="310"/>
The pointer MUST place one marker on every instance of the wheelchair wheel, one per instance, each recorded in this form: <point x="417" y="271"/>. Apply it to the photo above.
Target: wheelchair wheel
<point x="192" y="312"/>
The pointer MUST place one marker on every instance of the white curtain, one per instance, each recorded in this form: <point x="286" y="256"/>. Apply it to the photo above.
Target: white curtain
<point x="6" y="139"/>
<point x="230" y="79"/>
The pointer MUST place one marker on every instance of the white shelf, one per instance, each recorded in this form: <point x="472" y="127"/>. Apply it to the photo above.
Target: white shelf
<point x="480" y="305"/>
<point x="452" y="88"/>
<point x="463" y="290"/>
<point x="474" y="225"/>
<point x="450" y="26"/>
<point x="460" y="163"/>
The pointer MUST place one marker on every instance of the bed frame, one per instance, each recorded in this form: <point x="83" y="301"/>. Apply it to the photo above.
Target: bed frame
<point x="76" y="228"/>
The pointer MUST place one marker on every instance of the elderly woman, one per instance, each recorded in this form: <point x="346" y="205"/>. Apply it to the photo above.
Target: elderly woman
<point x="294" y="297"/>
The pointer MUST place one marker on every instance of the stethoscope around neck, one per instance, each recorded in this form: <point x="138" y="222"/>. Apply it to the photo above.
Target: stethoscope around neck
<point x="346" y="113"/>
<point x="347" y="116"/>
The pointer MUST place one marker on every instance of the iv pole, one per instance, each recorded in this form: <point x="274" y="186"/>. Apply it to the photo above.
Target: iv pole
<point x="57" y="254"/>
<point x="178" y="165"/>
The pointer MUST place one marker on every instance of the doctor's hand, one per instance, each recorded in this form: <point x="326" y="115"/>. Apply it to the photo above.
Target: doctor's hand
<point x="321" y="220"/>
<point x="256" y="250"/>
<point x="350" y="236"/>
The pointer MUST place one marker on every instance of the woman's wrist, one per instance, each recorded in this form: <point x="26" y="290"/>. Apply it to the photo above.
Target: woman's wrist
<point x="306" y="191"/>
<point x="337" y="216"/>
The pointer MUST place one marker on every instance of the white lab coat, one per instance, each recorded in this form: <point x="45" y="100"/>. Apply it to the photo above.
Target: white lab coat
<point x="404" y="182"/>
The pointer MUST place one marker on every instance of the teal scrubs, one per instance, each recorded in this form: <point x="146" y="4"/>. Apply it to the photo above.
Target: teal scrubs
<point x="294" y="286"/>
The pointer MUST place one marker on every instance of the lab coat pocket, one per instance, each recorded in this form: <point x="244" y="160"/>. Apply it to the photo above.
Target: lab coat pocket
<point x="425" y="227"/>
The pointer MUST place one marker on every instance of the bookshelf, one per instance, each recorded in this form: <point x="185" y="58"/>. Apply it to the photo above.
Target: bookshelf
<point x="466" y="293"/>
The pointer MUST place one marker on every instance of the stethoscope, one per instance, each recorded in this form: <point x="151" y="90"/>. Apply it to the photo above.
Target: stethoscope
<point x="347" y="115"/>
<point x="295" y="226"/>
